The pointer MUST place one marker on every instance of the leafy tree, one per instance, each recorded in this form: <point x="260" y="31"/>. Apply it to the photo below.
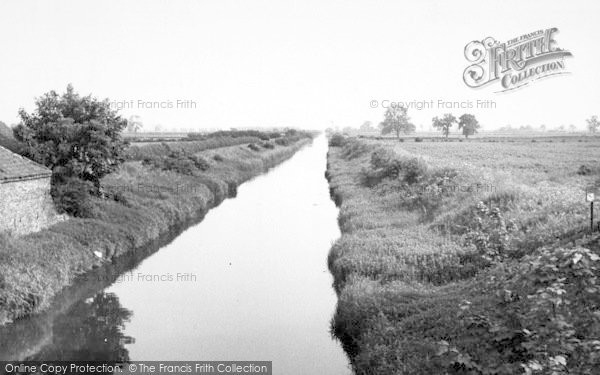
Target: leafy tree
<point x="543" y="127"/>
<point x="445" y="123"/>
<point x="572" y="128"/>
<point x="469" y="124"/>
<point x="593" y="124"/>
<point x="79" y="138"/>
<point x="396" y="120"/>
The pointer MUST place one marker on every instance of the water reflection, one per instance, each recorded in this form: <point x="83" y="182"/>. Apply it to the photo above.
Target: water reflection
<point x="82" y="323"/>
<point x="92" y="330"/>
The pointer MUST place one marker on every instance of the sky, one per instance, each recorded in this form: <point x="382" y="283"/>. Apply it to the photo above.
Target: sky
<point x="308" y="64"/>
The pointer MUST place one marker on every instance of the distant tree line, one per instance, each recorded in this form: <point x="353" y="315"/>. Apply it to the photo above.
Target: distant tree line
<point x="397" y="121"/>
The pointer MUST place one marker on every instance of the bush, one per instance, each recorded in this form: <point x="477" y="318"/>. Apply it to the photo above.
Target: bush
<point x="491" y="234"/>
<point x="282" y="141"/>
<point x="388" y="164"/>
<point x="199" y="162"/>
<point x="418" y="139"/>
<point x="74" y="197"/>
<point x="337" y="140"/>
<point x="178" y="161"/>
<point x="253" y="147"/>
<point x="268" y="145"/>
<point x="544" y="321"/>
<point x="354" y="148"/>
<point x="584" y="170"/>
<point x="415" y="169"/>
<point x="217" y="157"/>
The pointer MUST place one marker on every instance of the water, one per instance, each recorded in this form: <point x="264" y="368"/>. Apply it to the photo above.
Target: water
<point x="249" y="282"/>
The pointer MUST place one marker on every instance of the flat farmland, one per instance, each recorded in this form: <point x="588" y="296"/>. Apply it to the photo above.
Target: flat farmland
<point x="464" y="256"/>
<point x="556" y="159"/>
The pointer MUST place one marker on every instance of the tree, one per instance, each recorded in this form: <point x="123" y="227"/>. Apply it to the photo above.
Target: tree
<point x="396" y="120"/>
<point x="572" y="128"/>
<point x="469" y="124"/>
<point x="543" y="127"/>
<point x="593" y="124"/>
<point x="134" y="124"/>
<point x="367" y="127"/>
<point x="444" y="124"/>
<point x="79" y="138"/>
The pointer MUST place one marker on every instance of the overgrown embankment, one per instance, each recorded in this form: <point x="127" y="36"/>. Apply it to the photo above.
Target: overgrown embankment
<point x="436" y="273"/>
<point x="143" y="199"/>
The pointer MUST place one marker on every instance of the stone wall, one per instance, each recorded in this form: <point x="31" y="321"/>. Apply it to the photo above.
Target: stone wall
<point x="26" y="206"/>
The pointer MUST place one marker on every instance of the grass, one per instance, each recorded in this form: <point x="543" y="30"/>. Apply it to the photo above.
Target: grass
<point x="409" y="262"/>
<point x="152" y="199"/>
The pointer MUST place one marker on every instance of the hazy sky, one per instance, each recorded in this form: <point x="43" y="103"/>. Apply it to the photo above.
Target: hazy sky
<point x="290" y="63"/>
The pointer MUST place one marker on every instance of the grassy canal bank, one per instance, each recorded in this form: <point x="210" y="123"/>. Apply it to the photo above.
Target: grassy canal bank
<point x="465" y="258"/>
<point x="161" y="186"/>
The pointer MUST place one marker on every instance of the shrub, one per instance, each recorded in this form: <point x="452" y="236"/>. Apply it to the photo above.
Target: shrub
<point x="386" y="162"/>
<point x="491" y="234"/>
<point x="199" y="162"/>
<point x="282" y="141"/>
<point x="73" y="196"/>
<point x="354" y="148"/>
<point x="268" y="145"/>
<point x="253" y="147"/>
<point x="584" y="170"/>
<point x="178" y="161"/>
<point x="390" y="165"/>
<point x="217" y="157"/>
<point x="418" y="139"/>
<point x="544" y="318"/>
<point x="415" y="169"/>
<point x="337" y="140"/>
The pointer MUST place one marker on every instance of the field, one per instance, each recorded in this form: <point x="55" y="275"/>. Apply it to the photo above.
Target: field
<point x="466" y="257"/>
<point x="161" y="187"/>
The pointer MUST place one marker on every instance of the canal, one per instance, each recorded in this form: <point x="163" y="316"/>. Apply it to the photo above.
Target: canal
<point x="249" y="282"/>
